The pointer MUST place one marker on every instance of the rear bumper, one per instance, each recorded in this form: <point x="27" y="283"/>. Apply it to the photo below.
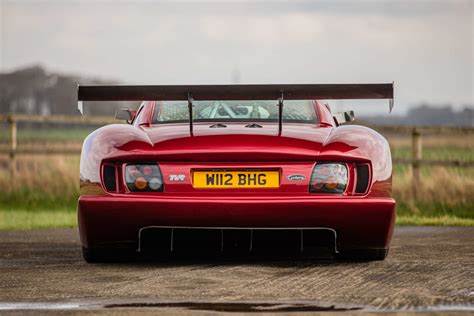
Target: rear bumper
<point x="360" y="223"/>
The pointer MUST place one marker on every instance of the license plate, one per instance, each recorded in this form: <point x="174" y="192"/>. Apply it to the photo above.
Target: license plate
<point x="236" y="179"/>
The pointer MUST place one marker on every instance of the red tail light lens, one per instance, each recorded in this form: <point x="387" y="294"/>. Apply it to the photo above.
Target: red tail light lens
<point x="329" y="178"/>
<point x="143" y="178"/>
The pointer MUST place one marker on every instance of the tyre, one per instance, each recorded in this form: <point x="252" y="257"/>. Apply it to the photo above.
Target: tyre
<point x="104" y="255"/>
<point x="363" y="255"/>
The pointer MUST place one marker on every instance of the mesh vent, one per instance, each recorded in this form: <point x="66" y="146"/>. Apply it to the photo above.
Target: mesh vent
<point x="362" y="178"/>
<point x="110" y="182"/>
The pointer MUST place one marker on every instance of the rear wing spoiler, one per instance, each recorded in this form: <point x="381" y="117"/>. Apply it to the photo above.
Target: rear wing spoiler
<point x="236" y="92"/>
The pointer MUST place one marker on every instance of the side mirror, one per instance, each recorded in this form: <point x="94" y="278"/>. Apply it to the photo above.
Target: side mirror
<point x="344" y="117"/>
<point x="125" y="115"/>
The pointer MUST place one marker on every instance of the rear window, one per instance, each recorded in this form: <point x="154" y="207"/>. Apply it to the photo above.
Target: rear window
<point x="295" y="111"/>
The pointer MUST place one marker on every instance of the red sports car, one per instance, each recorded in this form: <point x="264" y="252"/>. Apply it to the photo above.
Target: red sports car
<point x="235" y="169"/>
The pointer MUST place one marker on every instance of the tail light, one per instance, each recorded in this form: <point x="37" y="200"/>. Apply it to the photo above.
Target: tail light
<point x="143" y="178"/>
<point x="329" y="178"/>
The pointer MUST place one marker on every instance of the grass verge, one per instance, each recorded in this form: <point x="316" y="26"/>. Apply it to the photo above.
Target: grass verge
<point x="40" y="219"/>
<point x="435" y="221"/>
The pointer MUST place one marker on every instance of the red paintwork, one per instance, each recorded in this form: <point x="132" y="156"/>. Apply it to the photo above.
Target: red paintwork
<point x="361" y="221"/>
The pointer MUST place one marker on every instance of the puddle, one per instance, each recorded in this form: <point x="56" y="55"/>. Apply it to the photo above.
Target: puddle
<point x="193" y="306"/>
<point x="238" y="307"/>
<point x="242" y="307"/>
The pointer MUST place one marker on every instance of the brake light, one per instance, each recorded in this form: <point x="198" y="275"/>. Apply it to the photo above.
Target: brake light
<point x="329" y="178"/>
<point x="143" y="178"/>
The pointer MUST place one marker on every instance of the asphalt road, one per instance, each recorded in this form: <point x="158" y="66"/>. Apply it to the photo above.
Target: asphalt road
<point x="428" y="269"/>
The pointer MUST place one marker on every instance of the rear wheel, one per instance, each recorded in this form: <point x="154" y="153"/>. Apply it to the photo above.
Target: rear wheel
<point x="363" y="255"/>
<point x="108" y="255"/>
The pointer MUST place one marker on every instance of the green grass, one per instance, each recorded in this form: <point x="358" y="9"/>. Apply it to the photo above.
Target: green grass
<point x="435" y="221"/>
<point x="30" y="200"/>
<point x="39" y="219"/>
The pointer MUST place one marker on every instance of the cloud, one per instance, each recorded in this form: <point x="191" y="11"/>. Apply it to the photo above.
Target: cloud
<point x="424" y="46"/>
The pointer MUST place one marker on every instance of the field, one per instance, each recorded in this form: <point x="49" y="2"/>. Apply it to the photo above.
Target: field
<point x="45" y="189"/>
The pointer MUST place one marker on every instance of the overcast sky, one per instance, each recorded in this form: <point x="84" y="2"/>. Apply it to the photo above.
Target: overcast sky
<point x="426" y="47"/>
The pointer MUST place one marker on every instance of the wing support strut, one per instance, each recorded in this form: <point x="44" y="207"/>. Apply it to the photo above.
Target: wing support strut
<point x="280" y="114"/>
<point x="190" y="109"/>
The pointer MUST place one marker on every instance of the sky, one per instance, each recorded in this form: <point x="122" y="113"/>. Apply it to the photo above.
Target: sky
<point x="425" y="46"/>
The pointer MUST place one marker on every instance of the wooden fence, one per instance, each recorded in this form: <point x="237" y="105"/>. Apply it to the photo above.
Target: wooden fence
<point x="416" y="160"/>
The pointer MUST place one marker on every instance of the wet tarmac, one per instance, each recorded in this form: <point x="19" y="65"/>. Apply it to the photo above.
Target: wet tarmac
<point x="428" y="270"/>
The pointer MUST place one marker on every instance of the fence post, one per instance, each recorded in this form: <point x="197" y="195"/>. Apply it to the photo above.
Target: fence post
<point x="13" y="144"/>
<point x="417" y="152"/>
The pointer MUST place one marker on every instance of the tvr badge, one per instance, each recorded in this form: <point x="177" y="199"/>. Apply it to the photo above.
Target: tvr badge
<point x="177" y="177"/>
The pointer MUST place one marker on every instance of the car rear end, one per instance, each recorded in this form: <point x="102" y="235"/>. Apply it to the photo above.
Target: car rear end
<point x="237" y="207"/>
<point x="236" y="172"/>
